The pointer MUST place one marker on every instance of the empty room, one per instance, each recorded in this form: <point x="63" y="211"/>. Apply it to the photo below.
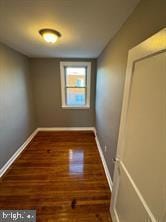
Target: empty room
<point x="83" y="110"/>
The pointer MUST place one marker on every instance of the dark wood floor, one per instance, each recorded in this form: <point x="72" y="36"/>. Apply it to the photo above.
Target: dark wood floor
<point x="60" y="174"/>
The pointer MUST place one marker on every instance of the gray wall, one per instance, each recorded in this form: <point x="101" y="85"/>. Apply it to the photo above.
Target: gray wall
<point x="148" y="18"/>
<point x="16" y="111"/>
<point x="47" y="94"/>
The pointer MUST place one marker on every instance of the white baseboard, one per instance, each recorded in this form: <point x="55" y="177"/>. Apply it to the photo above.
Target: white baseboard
<point x="104" y="162"/>
<point x="97" y="142"/>
<point x="66" y="129"/>
<point x="19" y="151"/>
<point x="16" y="154"/>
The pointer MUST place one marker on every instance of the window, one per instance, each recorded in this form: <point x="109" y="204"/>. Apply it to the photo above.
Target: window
<point x="75" y="84"/>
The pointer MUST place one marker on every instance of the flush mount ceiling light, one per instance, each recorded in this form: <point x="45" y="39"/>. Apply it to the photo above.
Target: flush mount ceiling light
<point x="50" y="35"/>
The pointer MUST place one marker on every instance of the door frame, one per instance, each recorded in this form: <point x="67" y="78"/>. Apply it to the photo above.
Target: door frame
<point x="149" y="47"/>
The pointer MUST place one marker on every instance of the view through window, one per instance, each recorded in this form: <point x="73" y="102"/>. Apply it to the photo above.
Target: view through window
<point x="75" y="85"/>
<point x="75" y="81"/>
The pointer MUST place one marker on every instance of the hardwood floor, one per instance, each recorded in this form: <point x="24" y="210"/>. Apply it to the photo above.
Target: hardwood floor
<point x="60" y="174"/>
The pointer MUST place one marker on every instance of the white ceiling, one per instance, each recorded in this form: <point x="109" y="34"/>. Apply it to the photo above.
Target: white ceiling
<point x="86" y="25"/>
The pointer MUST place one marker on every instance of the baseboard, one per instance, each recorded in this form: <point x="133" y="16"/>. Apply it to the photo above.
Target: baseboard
<point x="66" y="129"/>
<point x="97" y="142"/>
<point x="4" y="169"/>
<point x="18" y="152"/>
<point x="104" y="162"/>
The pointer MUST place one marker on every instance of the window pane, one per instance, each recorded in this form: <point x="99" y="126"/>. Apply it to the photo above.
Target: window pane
<point x="76" y="76"/>
<point x="75" y="96"/>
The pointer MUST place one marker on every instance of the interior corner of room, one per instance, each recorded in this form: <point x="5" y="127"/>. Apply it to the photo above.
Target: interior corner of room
<point x="31" y="84"/>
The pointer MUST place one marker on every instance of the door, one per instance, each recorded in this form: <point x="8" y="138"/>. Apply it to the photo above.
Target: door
<point x="139" y="189"/>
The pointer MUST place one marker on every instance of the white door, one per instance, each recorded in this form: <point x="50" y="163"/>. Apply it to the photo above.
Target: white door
<point x="139" y="189"/>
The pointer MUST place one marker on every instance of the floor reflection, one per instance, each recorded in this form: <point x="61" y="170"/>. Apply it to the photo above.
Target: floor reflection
<point x="76" y="162"/>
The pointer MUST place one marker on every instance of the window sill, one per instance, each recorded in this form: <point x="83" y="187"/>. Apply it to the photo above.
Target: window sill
<point x="75" y="107"/>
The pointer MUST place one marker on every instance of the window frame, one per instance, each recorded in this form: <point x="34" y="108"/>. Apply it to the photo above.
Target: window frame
<point x="65" y="64"/>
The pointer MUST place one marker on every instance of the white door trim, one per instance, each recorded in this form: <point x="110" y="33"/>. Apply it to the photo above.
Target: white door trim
<point x="145" y="205"/>
<point x="114" y="215"/>
<point x="151" y="46"/>
<point x="148" y="47"/>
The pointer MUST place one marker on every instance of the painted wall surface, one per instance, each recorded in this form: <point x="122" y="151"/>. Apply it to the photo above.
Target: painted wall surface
<point x="148" y="18"/>
<point x="16" y="105"/>
<point x="45" y="74"/>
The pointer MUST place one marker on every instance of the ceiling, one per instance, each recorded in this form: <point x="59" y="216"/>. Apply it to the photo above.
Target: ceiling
<point x="86" y="25"/>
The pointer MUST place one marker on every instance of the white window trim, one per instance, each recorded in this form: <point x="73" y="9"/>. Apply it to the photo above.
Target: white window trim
<point x="75" y="64"/>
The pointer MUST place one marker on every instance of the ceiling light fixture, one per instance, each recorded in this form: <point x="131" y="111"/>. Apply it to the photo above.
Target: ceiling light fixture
<point x="50" y="35"/>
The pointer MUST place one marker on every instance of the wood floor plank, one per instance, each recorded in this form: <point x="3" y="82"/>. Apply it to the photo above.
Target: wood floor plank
<point x="56" y="170"/>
